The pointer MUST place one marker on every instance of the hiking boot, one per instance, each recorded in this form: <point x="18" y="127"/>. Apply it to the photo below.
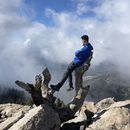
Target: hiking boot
<point x="69" y="89"/>
<point x="55" y="87"/>
<point x="70" y="86"/>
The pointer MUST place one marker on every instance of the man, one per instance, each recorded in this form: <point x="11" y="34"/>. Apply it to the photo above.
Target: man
<point x="80" y="57"/>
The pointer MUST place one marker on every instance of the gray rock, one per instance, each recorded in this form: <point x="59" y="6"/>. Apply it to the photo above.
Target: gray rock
<point x="42" y="117"/>
<point x="10" y="121"/>
<point x="109" y="115"/>
<point x="105" y="103"/>
<point x="10" y="114"/>
<point x="115" y="117"/>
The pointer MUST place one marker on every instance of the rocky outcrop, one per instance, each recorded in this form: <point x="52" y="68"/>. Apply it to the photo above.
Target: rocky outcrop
<point x="117" y="118"/>
<point x="114" y="117"/>
<point x="42" y="117"/>
<point x="108" y="114"/>
<point x="11" y="113"/>
<point x="20" y="117"/>
<point x="105" y="103"/>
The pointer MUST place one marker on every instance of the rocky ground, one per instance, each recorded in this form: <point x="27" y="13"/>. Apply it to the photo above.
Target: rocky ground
<point x="108" y="114"/>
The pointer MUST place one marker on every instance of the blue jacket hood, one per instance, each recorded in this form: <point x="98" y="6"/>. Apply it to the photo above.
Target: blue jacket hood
<point x="89" y="45"/>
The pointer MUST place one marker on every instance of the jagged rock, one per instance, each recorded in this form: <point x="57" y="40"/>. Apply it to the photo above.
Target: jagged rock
<point x="9" y="109"/>
<point x="81" y="117"/>
<point x="42" y="117"/>
<point x="125" y="103"/>
<point x="115" y="117"/>
<point x="11" y="113"/>
<point x="11" y="120"/>
<point x="90" y="106"/>
<point x="111" y="116"/>
<point x="82" y="114"/>
<point x="105" y="103"/>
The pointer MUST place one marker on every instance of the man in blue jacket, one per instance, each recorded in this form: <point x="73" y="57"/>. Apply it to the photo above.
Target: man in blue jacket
<point x="80" y="57"/>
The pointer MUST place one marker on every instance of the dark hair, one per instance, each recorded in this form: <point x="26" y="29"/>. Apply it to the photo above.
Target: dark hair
<point x="85" y="37"/>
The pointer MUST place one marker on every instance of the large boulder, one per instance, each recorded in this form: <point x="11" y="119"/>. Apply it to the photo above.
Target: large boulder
<point x="105" y="103"/>
<point x="82" y="117"/>
<point x="83" y="113"/>
<point x="114" y="117"/>
<point x="42" y="117"/>
<point x="11" y="113"/>
<point x="107" y="114"/>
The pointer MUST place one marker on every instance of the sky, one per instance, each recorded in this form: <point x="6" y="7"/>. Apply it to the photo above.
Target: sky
<point x="39" y="33"/>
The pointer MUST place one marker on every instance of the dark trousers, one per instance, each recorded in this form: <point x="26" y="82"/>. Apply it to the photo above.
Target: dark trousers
<point x="68" y="74"/>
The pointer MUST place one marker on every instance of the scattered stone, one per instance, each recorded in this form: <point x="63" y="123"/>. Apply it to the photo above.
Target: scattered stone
<point x="117" y="118"/>
<point x="42" y="117"/>
<point x="105" y="103"/>
<point x="104" y="115"/>
<point x="10" y="121"/>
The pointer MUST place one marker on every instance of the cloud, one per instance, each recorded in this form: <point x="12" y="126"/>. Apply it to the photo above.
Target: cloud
<point x="26" y="46"/>
<point x="12" y="35"/>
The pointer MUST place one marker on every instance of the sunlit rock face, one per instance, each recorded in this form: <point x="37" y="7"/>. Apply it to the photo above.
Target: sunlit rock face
<point x="107" y="114"/>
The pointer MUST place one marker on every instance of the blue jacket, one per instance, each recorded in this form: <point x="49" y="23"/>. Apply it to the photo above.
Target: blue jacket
<point x="83" y="54"/>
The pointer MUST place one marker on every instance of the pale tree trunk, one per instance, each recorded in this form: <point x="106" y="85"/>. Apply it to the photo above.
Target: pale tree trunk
<point x="42" y="94"/>
<point x="79" y="73"/>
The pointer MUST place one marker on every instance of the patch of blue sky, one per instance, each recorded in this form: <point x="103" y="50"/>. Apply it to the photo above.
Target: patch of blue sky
<point x="39" y="7"/>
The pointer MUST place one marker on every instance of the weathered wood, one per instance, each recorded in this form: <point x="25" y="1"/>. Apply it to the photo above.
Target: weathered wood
<point x="25" y="86"/>
<point x="42" y="94"/>
<point x="47" y="76"/>
<point x="35" y="92"/>
<point x="79" y="73"/>
<point x="68" y="112"/>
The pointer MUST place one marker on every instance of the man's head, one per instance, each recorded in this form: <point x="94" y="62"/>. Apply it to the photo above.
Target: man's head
<point x="85" y="39"/>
